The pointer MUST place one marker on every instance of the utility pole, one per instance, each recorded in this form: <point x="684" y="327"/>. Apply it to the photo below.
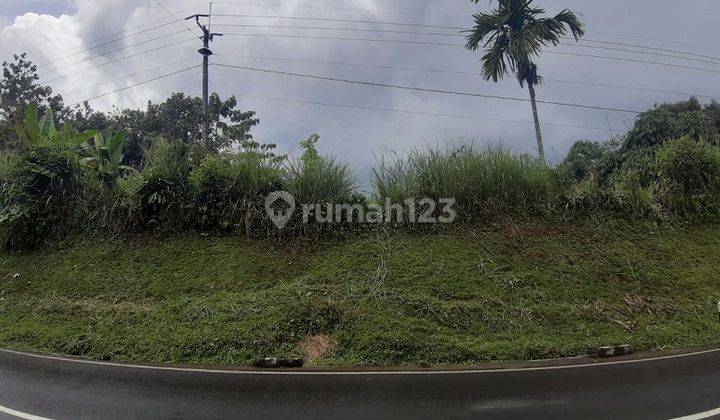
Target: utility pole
<point x="205" y="51"/>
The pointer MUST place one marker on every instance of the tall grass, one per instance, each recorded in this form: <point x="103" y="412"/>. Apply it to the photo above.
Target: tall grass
<point x="486" y="182"/>
<point x="230" y="189"/>
<point x="320" y="180"/>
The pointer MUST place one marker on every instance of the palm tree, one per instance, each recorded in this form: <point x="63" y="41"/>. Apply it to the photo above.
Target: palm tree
<point x="512" y="35"/>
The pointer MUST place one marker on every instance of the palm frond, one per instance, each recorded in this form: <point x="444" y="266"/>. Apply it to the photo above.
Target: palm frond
<point x="494" y="65"/>
<point x="485" y="24"/>
<point x="569" y="18"/>
<point x="514" y="34"/>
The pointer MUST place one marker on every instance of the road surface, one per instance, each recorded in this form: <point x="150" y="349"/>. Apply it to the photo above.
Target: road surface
<point x="659" y="387"/>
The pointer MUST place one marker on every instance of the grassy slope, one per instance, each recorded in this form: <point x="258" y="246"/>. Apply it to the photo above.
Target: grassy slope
<point x="508" y="293"/>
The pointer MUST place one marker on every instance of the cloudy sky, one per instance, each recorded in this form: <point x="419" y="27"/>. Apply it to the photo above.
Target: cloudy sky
<point x="50" y="30"/>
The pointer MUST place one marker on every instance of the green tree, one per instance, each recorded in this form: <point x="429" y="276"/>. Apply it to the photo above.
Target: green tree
<point x="669" y="121"/>
<point x="19" y="87"/>
<point x="179" y="117"/>
<point x="512" y="35"/>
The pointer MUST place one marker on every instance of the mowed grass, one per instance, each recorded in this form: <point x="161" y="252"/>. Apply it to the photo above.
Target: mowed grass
<point x="462" y="296"/>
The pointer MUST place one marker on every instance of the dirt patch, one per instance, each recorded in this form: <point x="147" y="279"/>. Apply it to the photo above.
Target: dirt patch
<point x="317" y="346"/>
<point x="639" y="303"/>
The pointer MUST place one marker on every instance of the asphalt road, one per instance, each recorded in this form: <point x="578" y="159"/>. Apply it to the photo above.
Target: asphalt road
<point x="656" y="388"/>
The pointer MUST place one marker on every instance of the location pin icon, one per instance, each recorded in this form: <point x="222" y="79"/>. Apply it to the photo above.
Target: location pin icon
<point x="280" y="217"/>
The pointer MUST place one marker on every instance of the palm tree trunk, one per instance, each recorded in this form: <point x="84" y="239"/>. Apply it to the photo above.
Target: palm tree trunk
<point x="538" y="133"/>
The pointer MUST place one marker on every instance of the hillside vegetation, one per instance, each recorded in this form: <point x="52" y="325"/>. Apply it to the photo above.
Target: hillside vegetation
<point x="667" y="168"/>
<point x="175" y="259"/>
<point x="459" y="296"/>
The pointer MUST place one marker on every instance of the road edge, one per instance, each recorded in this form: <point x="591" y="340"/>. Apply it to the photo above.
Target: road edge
<point x="496" y="367"/>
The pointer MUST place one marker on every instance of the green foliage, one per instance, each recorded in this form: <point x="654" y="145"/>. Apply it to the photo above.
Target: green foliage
<point x="507" y="291"/>
<point x="106" y="153"/>
<point x="670" y="121"/>
<point x="514" y="33"/>
<point x="316" y="179"/>
<point x="36" y="133"/>
<point x="689" y="171"/>
<point x="692" y="165"/>
<point x="309" y="150"/>
<point x="19" y="88"/>
<point x="230" y="188"/>
<point x="164" y="195"/>
<point x="584" y="160"/>
<point x="180" y="118"/>
<point x="35" y="203"/>
<point x="486" y="183"/>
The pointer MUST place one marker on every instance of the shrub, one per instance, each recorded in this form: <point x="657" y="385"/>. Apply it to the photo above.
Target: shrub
<point x="585" y="195"/>
<point x="628" y="195"/>
<point x="37" y="196"/>
<point x="485" y="183"/>
<point x="690" y="172"/>
<point x="665" y="123"/>
<point x="230" y="189"/>
<point x="693" y="165"/>
<point x="163" y="195"/>
<point x="316" y="179"/>
<point x="585" y="159"/>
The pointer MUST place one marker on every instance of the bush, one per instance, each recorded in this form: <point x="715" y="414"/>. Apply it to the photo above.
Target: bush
<point x="671" y="121"/>
<point x="230" y="189"/>
<point x="693" y="165"/>
<point x="163" y="194"/>
<point x="690" y="172"/>
<point x="316" y="179"/>
<point x="487" y="183"/>
<point x="37" y="196"/>
<point x="628" y="195"/>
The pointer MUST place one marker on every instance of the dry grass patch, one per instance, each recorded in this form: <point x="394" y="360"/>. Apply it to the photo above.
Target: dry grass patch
<point x="317" y="346"/>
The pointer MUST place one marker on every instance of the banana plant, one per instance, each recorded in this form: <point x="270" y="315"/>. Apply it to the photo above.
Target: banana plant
<point x="107" y="152"/>
<point x="43" y="133"/>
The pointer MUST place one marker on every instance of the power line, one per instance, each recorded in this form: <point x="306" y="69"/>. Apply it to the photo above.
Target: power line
<point x="78" y="52"/>
<point x="177" y="19"/>
<point x="609" y="85"/>
<point x="459" y="28"/>
<point x="632" y="60"/>
<point x="120" y="59"/>
<point x="460" y="35"/>
<point x="433" y="114"/>
<point x="703" y="47"/>
<point x="139" y="25"/>
<point x="427" y="90"/>
<point x="336" y="38"/>
<point x="136" y="84"/>
<point x="120" y="38"/>
<point x="250" y="25"/>
<point x="447" y="44"/>
<point x="375" y="22"/>
<point x="127" y="76"/>
<point x="109" y="52"/>
<point x="622" y="44"/>
<point x="469" y="17"/>
<point x="444" y="71"/>
<point x="596" y="47"/>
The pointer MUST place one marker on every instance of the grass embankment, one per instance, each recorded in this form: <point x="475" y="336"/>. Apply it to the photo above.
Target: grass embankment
<point x="467" y="296"/>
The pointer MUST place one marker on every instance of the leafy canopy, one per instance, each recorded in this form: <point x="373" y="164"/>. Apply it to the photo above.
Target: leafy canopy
<point x="514" y="33"/>
<point x="106" y="152"/>
<point x="36" y="133"/>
